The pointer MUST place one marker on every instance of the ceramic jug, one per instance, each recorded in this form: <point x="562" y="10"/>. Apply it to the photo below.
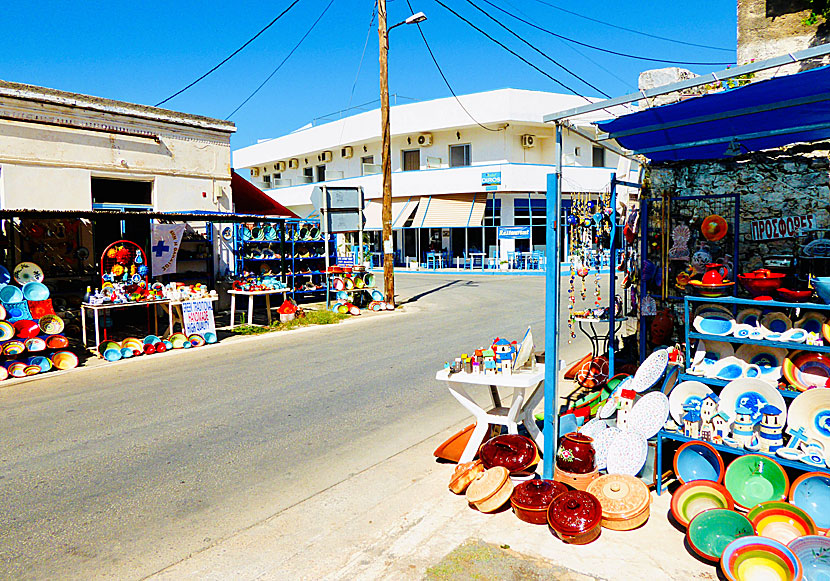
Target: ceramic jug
<point x="715" y="273"/>
<point x="576" y="454"/>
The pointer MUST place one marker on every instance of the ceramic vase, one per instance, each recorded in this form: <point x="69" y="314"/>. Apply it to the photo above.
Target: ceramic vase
<point x="576" y="454"/>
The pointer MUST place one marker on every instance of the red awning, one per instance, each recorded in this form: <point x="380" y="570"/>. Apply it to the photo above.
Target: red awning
<point x="249" y="199"/>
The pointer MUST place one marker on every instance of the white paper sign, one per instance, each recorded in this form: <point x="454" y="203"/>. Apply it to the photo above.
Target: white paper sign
<point x="197" y="317"/>
<point x="164" y="247"/>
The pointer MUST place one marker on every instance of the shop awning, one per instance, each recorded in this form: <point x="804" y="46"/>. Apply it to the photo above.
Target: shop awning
<point x="372" y="212"/>
<point x="448" y="211"/>
<point x="249" y="199"/>
<point x="762" y="115"/>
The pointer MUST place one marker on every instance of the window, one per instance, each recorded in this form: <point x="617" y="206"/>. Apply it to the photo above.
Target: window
<point x="460" y="155"/>
<point x="111" y="191"/>
<point x="577" y="151"/>
<point x="411" y="160"/>
<point x="367" y="159"/>
<point x="266" y="180"/>
<point x="492" y="212"/>
<point x="539" y="209"/>
<point x="321" y="173"/>
<point x="521" y="211"/>
<point x="599" y="157"/>
<point x="308" y="172"/>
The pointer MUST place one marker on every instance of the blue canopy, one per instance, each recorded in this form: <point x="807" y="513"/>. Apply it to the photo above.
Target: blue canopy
<point x="761" y="115"/>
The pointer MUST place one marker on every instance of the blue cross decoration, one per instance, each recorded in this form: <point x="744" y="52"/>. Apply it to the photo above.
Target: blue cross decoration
<point x="160" y="248"/>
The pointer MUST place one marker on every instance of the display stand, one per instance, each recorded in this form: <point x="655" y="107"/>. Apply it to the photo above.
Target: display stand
<point x="111" y="306"/>
<point x="251" y="295"/>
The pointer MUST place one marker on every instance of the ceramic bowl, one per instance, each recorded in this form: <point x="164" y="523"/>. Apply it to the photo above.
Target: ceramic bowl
<point x="805" y="370"/>
<point x="791" y="296"/>
<point x="781" y="521"/>
<point x="811" y="493"/>
<point x="6" y="331"/>
<point x="753" y="478"/>
<point x="821" y="284"/>
<point x="178" y="340"/>
<point x="714" y="324"/>
<point x="210" y="337"/>
<point x="16" y="368"/>
<point x="57" y="342"/>
<point x="814" y="553"/>
<point x="51" y="324"/>
<point x="711" y="290"/>
<point x="35" y="291"/>
<point x="35" y="344"/>
<point x="694" y="497"/>
<point x="126" y="353"/>
<point x="151" y="340"/>
<point x="698" y="461"/>
<point x="514" y="452"/>
<point x="490" y="490"/>
<point x="761" y="282"/>
<point x="712" y="530"/>
<point x="531" y="499"/>
<point x="26" y="329"/>
<point x="750" y="558"/>
<point x="575" y="517"/>
<point x="42" y="363"/>
<point x="196" y="340"/>
<point x="4" y="373"/>
<point x="11" y="294"/>
<point x="112" y="354"/>
<point x="64" y="360"/>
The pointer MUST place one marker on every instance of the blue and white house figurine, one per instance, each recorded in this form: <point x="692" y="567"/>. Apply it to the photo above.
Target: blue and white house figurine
<point x="505" y="363"/>
<point x="691" y="424"/>
<point x="503" y="346"/>
<point x="708" y="407"/>
<point x="770" y="429"/>
<point x="743" y="428"/>
<point x="720" y="427"/>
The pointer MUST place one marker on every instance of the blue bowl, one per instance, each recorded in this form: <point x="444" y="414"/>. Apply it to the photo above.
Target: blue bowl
<point x="151" y="340"/>
<point x="11" y="294"/>
<point x="168" y="344"/>
<point x="822" y="286"/>
<point x="126" y="353"/>
<point x="210" y="337"/>
<point x="35" y="291"/>
<point x="811" y="493"/>
<point x="112" y="354"/>
<point x="697" y="460"/>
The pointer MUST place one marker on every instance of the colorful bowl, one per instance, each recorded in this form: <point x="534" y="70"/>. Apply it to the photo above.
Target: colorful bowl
<point x="196" y="340"/>
<point x="31" y="369"/>
<point x="133" y="343"/>
<point x="752" y="479"/>
<point x="64" y="360"/>
<point x="6" y="331"/>
<point x="711" y="290"/>
<point x="16" y="368"/>
<point x="751" y="558"/>
<point x="112" y="354"/>
<point x="781" y="521"/>
<point x="13" y="347"/>
<point x="698" y="461"/>
<point x="57" y="342"/>
<point x="11" y="294"/>
<point x="814" y="553"/>
<point x="151" y="340"/>
<point x="210" y="337"/>
<point x="26" y="329"/>
<point x="712" y="530"/>
<point x="761" y="282"/>
<point x="4" y="373"/>
<point x="811" y="411"/>
<point x="126" y="353"/>
<point x="35" y="291"/>
<point x="35" y="344"/>
<point x="791" y="296"/>
<point x="43" y="363"/>
<point x="811" y="493"/>
<point x="167" y="344"/>
<point x="51" y="324"/>
<point x="805" y="370"/>
<point x="694" y="497"/>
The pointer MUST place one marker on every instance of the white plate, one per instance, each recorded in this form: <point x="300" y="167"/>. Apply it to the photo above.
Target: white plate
<point x="649" y="414"/>
<point x="592" y="428"/>
<point x="650" y="371"/>
<point x="687" y="393"/>
<point x="752" y="394"/>
<point x="714" y="324"/>
<point x="608" y="409"/>
<point x="768" y="359"/>
<point x="811" y="410"/>
<point x="794" y="335"/>
<point x="627" y="453"/>
<point x="709" y="353"/>
<point x="731" y="368"/>
<point x="601" y="443"/>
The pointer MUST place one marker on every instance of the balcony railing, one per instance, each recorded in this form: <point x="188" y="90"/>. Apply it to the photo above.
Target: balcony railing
<point x="371" y="168"/>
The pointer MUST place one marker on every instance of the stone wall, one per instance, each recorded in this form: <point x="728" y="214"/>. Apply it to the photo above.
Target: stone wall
<point x="790" y="182"/>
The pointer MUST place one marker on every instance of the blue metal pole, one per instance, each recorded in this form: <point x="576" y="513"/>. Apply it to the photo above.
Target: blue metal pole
<point x="552" y="279"/>
<point x="612" y="287"/>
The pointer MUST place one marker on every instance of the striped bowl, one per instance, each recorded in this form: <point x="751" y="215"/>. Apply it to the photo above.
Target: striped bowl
<point x="750" y="558"/>
<point x="781" y="521"/>
<point x="694" y="497"/>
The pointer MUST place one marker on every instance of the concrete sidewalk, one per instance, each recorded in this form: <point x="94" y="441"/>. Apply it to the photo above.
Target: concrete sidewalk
<point x="397" y="519"/>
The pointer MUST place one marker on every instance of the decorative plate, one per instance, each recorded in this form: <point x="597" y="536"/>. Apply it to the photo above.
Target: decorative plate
<point x="6" y="331"/>
<point x="731" y="368"/>
<point x="650" y="371"/>
<point x="17" y="311"/>
<point x="246" y="233"/>
<point x="811" y="493"/>
<point x="768" y="359"/>
<point x="794" y="335"/>
<point x="703" y="309"/>
<point x="714" y="228"/>
<point x="709" y="353"/>
<point x="270" y="233"/>
<point x="227" y="233"/>
<point x="28" y="272"/>
<point x="811" y="321"/>
<point x="752" y="394"/>
<point x="811" y="410"/>
<point x="742" y="330"/>
<point x="687" y="395"/>
<point x="805" y="369"/>
<point x="814" y="553"/>
<point x="748" y="317"/>
<point x="671" y="379"/>
<point x="601" y="443"/>
<point x="627" y="453"/>
<point x="592" y="428"/>
<point x="776" y="322"/>
<point x="649" y="414"/>
<point x="5" y="277"/>
<point x="714" y="324"/>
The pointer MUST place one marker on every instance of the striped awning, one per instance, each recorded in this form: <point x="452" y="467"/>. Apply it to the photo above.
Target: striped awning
<point x="450" y="211"/>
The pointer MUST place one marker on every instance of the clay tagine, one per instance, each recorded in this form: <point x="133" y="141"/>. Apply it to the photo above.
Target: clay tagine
<point x="464" y="474"/>
<point x="512" y="451"/>
<point x="531" y="499"/>
<point x="625" y="501"/>
<point x="490" y="490"/>
<point x="575" y="517"/>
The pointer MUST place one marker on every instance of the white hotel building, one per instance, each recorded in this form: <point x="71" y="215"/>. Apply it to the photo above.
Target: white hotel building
<point x="453" y="183"/>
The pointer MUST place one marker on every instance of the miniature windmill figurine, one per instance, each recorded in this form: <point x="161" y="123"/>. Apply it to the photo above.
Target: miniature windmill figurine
<point x="709" y="407"/>
<point x="743" y="428"/>
<point x="691" y="424"/>
<point x="771" y="428"/>
<point x="720" y="427"/>
<point x="624" y="404"/>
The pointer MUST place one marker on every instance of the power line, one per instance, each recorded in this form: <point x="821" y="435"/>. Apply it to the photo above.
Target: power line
<point x="609" y="51"/>
<point x="633" y="30"/>
<point x="230" y="56"/>
<point x="279" y="66"/>
<point x="443" y="76"/>
<point x="564" y="68"/>
<point x="359" y="66"/>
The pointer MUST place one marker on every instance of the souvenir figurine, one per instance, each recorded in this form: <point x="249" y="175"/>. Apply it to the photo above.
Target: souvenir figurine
<point x="743" y="427"/>
<point x="770" y="429"/>
<point x="691" y="424"/>
<point x="680" y="248"/>
<point x="720" y="427"/>
<point x="709" y="407"/>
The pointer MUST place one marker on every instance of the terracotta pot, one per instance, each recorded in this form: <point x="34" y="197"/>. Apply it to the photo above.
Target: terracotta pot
<point x="464" y="474"/>
<point x="514" y="452"/>
<point x="490" y="490"/>
<point x="531" y="499"/>
<point x="578" y="481"/>
<point x="575" y="517"/>
<point x="625" y="501"/>
<point x="576" y="454"/>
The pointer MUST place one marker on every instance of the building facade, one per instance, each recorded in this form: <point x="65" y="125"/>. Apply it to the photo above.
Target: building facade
<point x="459" y="173"/>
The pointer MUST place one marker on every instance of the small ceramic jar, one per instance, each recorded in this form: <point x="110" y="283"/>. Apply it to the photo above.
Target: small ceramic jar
<point x="576" y="454"/>
<point x="625" y="501"/>
<point x="575" y="517"/>
<point x="514" y="452"/>
<point x="531" y="499"/>
<point x="464" y="474"/>
<point x="490" y="490"/>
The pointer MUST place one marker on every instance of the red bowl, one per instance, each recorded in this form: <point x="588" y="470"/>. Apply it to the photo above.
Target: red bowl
<point x="795" y="296"/>
<point x="26" y="329"/>
<point x="761" y="282"/>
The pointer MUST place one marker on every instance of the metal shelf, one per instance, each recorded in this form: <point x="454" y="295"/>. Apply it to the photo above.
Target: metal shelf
<point x="762" y="342"/>
<point x="789" y="393"/>
<point x="759" y="304"/>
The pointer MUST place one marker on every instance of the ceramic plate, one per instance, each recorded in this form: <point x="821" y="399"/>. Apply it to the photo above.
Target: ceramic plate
<point x="748" y="317"/>
<point x="768" y="359"/>
<point x="805" y="369"/>
<point x="601" y="443"/>
<point x="28" y="272"/>
<point x="794" y="335"/>
<point x="811" y="411"/>
<point x="671" y="379"/>
<point x="742" y="330"/>
<point x="703" y="309"/>
<point x="649" y="414"/>
<point x="811" y="321"/>
<point x="592" y="428"/>
<point x="731" y="368"/>
<point x="688" y="394"/>
<point x="627" y="453"/>
<point x="752" y="394"/>
<point x="714" y="324"/>
<point x="227" y="233"/>
<point x="650" y="371"/>
<point x="709" y="353"/>
<point x="776" y="322"/>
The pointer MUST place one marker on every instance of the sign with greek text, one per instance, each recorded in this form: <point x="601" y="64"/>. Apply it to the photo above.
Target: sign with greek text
<point x="784" y="227"/>
<point x="197" y="317"/>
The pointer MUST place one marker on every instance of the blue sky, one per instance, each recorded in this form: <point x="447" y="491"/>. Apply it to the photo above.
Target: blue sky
<point x="145" y="51"/>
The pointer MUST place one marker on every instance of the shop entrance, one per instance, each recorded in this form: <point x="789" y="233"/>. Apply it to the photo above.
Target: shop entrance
<point x="118" y="196"/>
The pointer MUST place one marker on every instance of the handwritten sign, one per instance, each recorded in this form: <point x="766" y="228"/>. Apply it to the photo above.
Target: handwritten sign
<point x="785" y="227"/>
<point x="197" y="317"/>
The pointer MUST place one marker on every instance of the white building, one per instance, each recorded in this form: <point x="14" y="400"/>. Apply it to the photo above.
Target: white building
<point x="453" y="183"/>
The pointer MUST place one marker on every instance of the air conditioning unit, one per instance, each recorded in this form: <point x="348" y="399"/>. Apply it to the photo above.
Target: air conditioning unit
<point x="293" y="163"/>
<point x="528" y="141"/>
<point x="279" y="166"/>
<point x="254" y="172"/>
<point x="425" y="139"/>
<point x="325" y="157"/>
<point x="346" y="152"/>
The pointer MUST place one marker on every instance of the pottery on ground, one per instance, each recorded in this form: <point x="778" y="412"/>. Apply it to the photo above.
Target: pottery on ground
<point x="751" y="558"/>
<point x="698" y="460"/>
<point x="697" y="496"/>
<point x="576" y="454"/>
<point x="530" y="500"/>
<point x="781" y="521"/>
<point x="516" y="453"/>
<point x="575" y="517"/>
<point x="712" y="530"/>
<point x="490" y="490"/>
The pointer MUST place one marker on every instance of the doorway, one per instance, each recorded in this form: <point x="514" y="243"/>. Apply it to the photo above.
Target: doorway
<point x="411" y="160"/>
<point x="118" y="196"/>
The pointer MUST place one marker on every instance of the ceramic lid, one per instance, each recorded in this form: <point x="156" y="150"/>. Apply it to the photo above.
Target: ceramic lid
<point x="537" y="494"/>
<point x="512" y="451"/>
<point x="621" y="496"/>
<point x="487" y="484"/>
<point x="574" y="512"/>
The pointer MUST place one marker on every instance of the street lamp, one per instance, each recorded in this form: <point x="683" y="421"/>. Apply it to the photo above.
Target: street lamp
<point x="386" y="148"/>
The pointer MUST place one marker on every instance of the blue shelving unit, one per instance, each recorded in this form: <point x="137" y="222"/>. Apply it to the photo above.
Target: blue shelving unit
<point x="318" y="248"/>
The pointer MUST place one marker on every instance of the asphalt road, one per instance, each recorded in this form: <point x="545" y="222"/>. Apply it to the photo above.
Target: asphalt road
<point x="122" y="470"/>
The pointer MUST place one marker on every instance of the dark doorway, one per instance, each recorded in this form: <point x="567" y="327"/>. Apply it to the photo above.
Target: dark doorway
<point x="117" y="196"/>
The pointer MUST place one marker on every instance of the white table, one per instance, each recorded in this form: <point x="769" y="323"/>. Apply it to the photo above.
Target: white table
<point x="251" y="294"/>
<point x="109" y="306"/>
<point x="520" y="410"/>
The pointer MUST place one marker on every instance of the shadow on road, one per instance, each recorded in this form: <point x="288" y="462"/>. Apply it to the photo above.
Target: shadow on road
<point x="414" y="298"/>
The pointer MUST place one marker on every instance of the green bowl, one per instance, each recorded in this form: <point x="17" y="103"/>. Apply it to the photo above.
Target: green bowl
<point x="710" y="532"/>
<point x="753" y="479"/>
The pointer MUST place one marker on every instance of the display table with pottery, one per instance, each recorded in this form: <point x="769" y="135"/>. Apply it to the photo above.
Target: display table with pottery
<point x="96" y="309"/>
<point x="251" y="295"/>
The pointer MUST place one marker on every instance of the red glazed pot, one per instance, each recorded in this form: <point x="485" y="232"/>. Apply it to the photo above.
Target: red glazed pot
<point x="531" y="499"/>
<point x="575" y="517"/>
<point x="576" y="454"/>
<point x="514" y="452"/>
<point x="149" y="349"/>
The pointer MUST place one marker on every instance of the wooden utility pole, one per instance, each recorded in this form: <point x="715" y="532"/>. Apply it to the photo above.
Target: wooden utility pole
<point x="386" y="159"/>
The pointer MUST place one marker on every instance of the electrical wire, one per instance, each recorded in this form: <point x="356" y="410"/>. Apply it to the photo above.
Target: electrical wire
<point x="233" y="54"/>
<point x="443" y="76"/>
<point x="359" y="66"/>
<point x="279" y="66"/>
<point x="633" y="30"/>
<point x="606" y="50"/>
<point x="564" y="68"/>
